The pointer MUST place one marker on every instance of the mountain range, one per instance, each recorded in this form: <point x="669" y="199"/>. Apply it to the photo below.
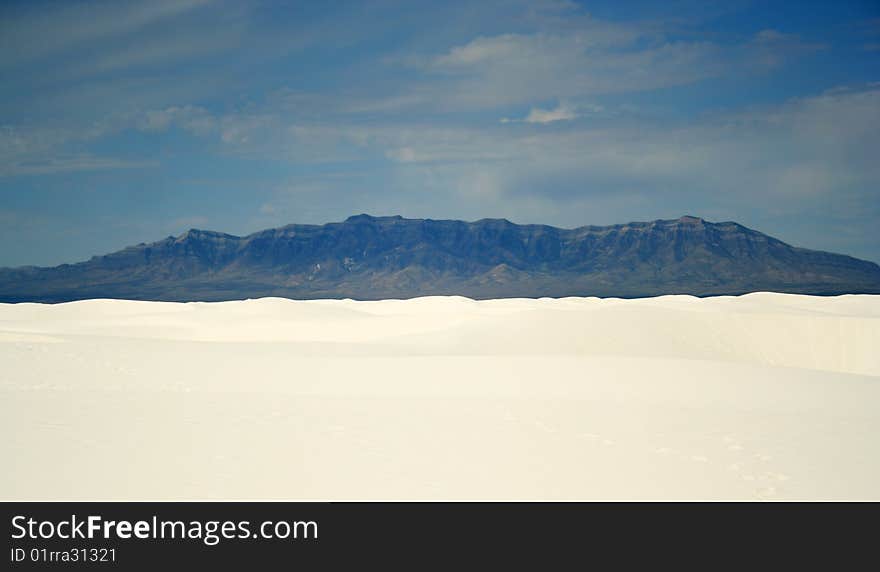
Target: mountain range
<point x="366" y="257"/>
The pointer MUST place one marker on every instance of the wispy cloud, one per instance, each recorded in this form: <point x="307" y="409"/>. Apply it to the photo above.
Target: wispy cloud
<point x="575" y="56"/>
<point x="41" y="150"/>
<point x="511" y="69"/>
<point x="562" y="112"/>
<point x="77" y="24"/>
<point x="816" y="145"/>
<point x="192" y="118"/>
<point x="70" y="164"/>
<point x="771" y="48"/>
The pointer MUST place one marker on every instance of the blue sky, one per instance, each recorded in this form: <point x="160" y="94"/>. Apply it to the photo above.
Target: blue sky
<point x="123" y="122"/>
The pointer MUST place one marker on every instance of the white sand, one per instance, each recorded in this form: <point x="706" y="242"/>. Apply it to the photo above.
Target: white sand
<point x="764" y="396"/>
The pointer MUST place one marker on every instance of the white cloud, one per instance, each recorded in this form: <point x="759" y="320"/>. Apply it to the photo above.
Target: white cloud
<point x="562" y="112"/>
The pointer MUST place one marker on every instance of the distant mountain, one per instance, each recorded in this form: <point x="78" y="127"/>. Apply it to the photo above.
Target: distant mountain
<point x="369" y="257"/>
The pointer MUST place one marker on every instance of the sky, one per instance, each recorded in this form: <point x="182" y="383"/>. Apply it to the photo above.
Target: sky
<point x="126" y="122"/>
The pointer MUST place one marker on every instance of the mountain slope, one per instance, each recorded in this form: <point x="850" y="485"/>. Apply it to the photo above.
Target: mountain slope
<point x="368" y="257"/>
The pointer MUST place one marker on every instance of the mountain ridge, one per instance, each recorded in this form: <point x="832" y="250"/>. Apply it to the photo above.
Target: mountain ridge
<point x="369" y="257"/>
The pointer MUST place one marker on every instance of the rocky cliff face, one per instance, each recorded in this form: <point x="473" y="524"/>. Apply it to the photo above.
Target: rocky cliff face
<point x="369" y="257"/>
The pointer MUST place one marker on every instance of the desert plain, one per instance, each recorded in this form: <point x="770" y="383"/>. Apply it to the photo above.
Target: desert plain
<point x="757" y="397"/>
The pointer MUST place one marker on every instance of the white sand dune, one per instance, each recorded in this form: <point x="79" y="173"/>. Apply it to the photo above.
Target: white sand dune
<point x="763" y="396"/>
